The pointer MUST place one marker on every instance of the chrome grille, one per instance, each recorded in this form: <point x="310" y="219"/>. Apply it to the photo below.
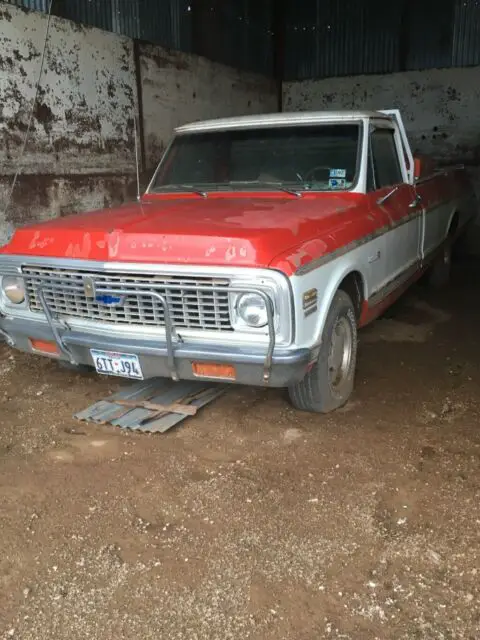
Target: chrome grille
<point x="189" y="308"/>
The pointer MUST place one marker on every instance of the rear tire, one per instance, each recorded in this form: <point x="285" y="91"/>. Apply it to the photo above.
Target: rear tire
<point x="439" y="274"/>
<point x="329" y="384"/>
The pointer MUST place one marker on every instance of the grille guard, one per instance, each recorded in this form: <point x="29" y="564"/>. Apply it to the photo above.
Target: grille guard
<point x="65" y="292"/>
<point x="171" y="334"/>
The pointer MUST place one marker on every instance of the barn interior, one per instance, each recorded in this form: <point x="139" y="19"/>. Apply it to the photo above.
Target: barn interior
<point x="252" y="520"/>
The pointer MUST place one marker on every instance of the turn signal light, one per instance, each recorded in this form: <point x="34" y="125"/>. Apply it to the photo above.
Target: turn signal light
<point x="213" y="370"/>
<point x="43" y="346"/>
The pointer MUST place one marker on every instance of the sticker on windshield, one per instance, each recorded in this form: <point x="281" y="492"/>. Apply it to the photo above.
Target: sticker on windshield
<point x="338" y="173"/>
<point x="334" y="183"/>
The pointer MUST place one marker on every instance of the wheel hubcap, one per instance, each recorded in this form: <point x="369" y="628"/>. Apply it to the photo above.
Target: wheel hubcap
<point x="340" y="355"/>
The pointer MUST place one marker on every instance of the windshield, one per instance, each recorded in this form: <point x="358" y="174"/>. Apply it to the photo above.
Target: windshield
<point x="313" y="157"/>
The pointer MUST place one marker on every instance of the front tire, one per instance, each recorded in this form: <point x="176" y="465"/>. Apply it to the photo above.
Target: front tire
<point x="329" y="384"/>
<point x="439" y="274"/>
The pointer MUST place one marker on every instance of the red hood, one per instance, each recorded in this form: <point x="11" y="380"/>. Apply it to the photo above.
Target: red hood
<point x="248" y="230"/>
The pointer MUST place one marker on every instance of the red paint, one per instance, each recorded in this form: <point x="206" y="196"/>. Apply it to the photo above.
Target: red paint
<point x="371" y="312"/>
<point x="236" y="228"/>
<point x="240" y="229"/>
<point x="398" y="205"/>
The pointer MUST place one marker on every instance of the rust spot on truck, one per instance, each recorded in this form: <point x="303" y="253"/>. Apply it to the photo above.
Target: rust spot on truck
<point x="307" y="252"/>
<point x="77" y="250"/>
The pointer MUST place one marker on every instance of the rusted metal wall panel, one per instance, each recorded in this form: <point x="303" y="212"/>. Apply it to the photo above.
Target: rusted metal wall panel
<point x="46" y="196"/>
<point x="179" y="87"/>
<point x="440" y="106"/>
<point x="80" y="151"/>
<point x="87" y="100"/>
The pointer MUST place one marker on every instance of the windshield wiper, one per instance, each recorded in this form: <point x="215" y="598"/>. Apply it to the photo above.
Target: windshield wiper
<point x="263" y="183"/>
<point x="184" y="187"/>
<point x="231" y="183"/>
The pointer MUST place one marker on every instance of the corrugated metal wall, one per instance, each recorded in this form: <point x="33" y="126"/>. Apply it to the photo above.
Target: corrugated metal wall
<point x="239" y="31"/>
<point x="327" y="38"/>
<point x="341" y="38"/>
<point x="466" y="35"/>
<point x="323" y="38"/>
<point x="37" y="5"/>
<point x="98" y="14"/>
<point x="167" y="23"/>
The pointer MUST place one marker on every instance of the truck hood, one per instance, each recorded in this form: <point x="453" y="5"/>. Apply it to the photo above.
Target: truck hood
<point x="240" y="230"/>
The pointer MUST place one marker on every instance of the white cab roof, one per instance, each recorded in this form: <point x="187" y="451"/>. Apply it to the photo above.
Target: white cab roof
<point x="278" y="120"/>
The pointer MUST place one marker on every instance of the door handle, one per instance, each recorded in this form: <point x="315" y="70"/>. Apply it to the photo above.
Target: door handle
<point x="415" y="202"/>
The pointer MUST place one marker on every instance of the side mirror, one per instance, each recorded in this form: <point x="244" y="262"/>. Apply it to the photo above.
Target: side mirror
<point x="422" y="166"/>
<point x="417" y="167"/>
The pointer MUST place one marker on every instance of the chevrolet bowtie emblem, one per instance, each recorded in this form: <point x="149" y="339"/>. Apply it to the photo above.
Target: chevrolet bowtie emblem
<point x="89" y="287"/>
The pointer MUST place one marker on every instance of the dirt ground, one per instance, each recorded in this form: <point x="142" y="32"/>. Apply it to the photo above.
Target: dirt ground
<point x="252" y="520"/>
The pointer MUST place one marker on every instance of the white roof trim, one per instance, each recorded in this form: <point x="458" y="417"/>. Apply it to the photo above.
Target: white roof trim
<point x="279" y="119"/>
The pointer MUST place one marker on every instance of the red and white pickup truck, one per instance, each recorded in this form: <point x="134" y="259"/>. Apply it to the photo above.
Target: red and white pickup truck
<point x="260" y="246"/>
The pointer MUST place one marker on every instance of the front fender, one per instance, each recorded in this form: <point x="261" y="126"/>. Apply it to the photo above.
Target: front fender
<point x="326" y="278"/>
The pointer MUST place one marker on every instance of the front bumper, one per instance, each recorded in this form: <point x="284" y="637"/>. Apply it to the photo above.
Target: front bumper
<point x="287" y="366"/>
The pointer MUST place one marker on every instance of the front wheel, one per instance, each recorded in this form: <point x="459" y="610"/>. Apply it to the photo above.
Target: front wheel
<point x="439" y="273"/>
<point x="329" y="384"/>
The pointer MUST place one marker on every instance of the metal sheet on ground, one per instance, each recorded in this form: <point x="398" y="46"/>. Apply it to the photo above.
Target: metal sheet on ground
<point x="168" y="404"/>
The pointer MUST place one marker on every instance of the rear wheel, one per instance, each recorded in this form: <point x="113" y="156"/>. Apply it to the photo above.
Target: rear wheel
<point x="329" y="384"/>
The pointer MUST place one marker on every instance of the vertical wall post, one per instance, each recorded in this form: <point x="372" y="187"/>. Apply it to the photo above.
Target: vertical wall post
<point x="138" y="81"/>
<point x="404" y="44"/>
<point x="207" y="28"/>
<point x="279" y="32"/>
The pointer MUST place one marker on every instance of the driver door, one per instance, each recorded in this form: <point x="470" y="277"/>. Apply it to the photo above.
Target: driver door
<point x="396" y="198"/>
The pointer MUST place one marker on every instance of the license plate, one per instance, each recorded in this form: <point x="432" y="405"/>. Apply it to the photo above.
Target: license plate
<point x="110" y="363"/>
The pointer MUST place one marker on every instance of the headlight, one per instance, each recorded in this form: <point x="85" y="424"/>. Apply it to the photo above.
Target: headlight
<point x="14" y="289"/>
<point x="252" y="310"/>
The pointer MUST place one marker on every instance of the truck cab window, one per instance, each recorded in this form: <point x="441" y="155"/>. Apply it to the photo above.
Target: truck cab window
<point x="386" y="166"/>
<point x="318" y="157"/>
